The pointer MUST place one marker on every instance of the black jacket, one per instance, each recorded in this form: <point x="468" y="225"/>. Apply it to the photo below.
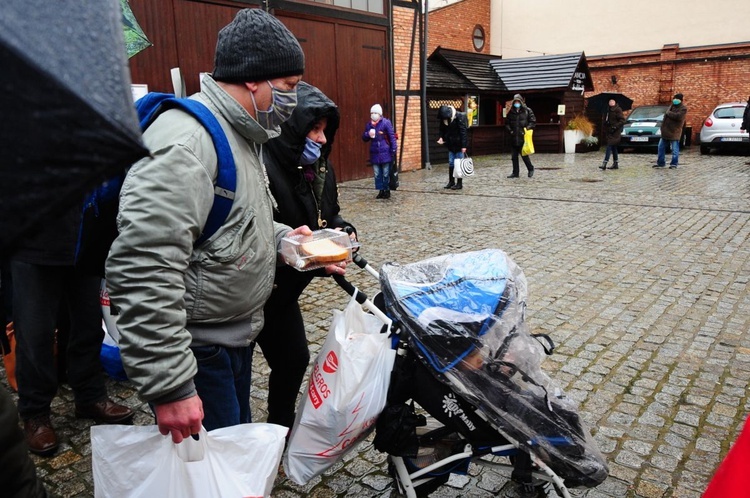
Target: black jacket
<point x="53" y="242"/>
<point x="746" y="117"/>
<point x="297" y="202"/>
<point x="517" y="120"/>
<point x="454" y="134"/>
<point x="18" y="477"/>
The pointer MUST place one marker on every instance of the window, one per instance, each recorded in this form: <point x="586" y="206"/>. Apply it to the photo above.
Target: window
<point x="478" y="38"/>
<point x="372" y="6"/>
<point x="729" y="112"/>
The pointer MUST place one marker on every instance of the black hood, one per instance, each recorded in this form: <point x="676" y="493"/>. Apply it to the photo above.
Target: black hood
<point x="312" y="105"/>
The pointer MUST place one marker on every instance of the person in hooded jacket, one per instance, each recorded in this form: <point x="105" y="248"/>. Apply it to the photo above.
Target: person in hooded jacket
<point x="613" y="124"/>
<point x="519" y="119"/>
<point x="671" y="131"/>
<point x="303" y="183"/>
<point x="453" y="134"/>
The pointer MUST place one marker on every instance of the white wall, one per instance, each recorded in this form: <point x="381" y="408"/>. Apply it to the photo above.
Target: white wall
<point x="526" y="28"/>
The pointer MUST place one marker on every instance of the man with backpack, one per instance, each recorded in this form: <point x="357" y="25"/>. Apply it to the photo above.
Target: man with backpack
<point x="190" y="308"/>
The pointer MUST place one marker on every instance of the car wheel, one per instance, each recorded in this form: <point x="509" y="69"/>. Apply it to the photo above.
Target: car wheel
<point x="705" y="150"/>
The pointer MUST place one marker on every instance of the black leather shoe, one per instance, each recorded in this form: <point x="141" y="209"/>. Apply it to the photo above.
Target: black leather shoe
<point x="105" y="411"/>
<point x="672" y="166"/>
<point x="658" y="165"/>
<point x="531" y="173"/>
<point x="512" y="176"/>
<point x="386" y="194"/>
<point x="40" y="436"/>
<point x="449" y="185"/>
<point x="457" y="187"/>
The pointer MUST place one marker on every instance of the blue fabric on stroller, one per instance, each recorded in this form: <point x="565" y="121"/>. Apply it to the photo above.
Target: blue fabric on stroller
<point x="464" y="315"/>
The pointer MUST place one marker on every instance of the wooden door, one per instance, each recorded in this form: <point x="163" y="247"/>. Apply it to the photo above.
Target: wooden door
<point x="349" y="64"/>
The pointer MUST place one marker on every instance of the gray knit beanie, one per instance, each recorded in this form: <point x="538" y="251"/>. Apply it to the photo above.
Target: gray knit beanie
<point x="256" y="46"/>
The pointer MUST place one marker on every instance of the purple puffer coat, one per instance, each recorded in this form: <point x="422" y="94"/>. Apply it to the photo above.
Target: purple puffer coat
<point x="383" y="147"/>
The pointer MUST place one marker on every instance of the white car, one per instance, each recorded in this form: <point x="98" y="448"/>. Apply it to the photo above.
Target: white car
<point x="721" y="129"/>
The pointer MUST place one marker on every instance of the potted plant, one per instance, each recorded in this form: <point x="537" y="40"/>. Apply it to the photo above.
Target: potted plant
<point x="588" y="144"/>
<point x="577" y="128"/>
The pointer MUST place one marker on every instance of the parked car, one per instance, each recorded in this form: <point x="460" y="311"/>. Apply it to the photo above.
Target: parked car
<point x="721" y="129"/>
<point x="643" y="128"/>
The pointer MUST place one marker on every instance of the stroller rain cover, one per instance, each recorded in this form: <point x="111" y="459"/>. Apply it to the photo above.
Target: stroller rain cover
<point x="465" y="319"/>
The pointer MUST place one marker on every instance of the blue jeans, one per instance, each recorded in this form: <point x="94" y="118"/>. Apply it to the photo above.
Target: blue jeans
<point x="223" y="384"/>
<point x="613" y="150"/>
<point x="382" y="176"/>
<point x="661" y="160"/>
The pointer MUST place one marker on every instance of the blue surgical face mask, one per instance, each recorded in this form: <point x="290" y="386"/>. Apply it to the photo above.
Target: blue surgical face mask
<point x="517" y="105"/>
<point x="311" y="152"/>
<point x="282" y="106"/>
<point x="676" y="101"/>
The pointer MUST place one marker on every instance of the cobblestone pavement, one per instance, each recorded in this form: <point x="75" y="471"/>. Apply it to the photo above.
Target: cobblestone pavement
<point x="639" y="275"/>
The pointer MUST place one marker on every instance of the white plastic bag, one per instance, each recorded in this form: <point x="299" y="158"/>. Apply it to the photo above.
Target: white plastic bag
<point x="345" y="394"/>
<point x="137" y="461"/>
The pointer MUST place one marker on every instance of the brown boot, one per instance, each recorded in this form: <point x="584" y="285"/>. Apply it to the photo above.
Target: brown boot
<point x="105" y="412"/>
<point x="40" y="436"/>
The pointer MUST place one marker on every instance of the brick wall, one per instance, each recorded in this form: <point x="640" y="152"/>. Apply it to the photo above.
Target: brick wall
<point x="707" y="76"/>
<point x="453" y="26"/>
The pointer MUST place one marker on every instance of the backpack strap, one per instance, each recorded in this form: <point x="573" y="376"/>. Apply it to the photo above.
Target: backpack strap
<point x="152" y="105"/>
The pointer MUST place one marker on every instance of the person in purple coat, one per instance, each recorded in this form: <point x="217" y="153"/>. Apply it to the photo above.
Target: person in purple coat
<point x="379" y="132"/>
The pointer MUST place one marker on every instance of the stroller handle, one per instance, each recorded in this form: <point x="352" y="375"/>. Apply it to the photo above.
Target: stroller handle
<point x="362" y="299"/>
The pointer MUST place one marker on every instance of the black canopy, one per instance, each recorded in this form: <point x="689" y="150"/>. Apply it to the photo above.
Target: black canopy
<point x="600" y="101"/>
<point x="68" y="120"/>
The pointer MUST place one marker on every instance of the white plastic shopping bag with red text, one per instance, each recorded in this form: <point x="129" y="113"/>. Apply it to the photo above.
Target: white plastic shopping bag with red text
<point x="345" y="394"/>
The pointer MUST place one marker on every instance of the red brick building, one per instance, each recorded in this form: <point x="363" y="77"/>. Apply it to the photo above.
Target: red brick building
<point x="707" y="76"/>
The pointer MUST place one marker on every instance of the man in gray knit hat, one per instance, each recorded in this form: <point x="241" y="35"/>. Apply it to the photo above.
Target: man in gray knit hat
<point x="189" y="312"/>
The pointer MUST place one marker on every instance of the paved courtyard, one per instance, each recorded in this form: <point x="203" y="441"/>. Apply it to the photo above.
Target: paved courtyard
<point x="639" y="275"/>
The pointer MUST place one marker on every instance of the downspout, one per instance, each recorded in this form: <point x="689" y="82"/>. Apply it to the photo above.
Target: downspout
<point x="423" y="84"/>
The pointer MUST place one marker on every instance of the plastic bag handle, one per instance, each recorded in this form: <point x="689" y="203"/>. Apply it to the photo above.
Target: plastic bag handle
<point x="192" y="449"/>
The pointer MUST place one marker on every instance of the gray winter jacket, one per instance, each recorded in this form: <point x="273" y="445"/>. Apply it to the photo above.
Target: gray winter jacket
<point x="169" y="293"/>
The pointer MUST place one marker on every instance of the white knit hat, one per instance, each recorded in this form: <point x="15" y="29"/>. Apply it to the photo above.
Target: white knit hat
<point x="376" y="109"/>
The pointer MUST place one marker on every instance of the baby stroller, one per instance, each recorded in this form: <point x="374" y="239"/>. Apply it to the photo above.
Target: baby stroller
<point x="466" y="356"/>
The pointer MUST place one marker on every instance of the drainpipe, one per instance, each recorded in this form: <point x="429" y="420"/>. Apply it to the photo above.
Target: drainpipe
<point x="423" y="84"/>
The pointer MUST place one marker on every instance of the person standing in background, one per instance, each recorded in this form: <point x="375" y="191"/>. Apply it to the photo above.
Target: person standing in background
<point x="519" y="119"/>
<point x="383" y="147"/>
<point x="613" y="124"/>
<point x="454" y="135"/>
<point x="671" y="131"/>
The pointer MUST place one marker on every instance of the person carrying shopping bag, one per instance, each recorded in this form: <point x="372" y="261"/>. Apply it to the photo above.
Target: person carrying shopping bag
<point x="520" y="118"/>
<point x="454" y="135"/>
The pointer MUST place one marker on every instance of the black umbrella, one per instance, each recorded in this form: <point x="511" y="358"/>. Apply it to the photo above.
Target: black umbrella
<point x="600" y="101"/>
<point x="68" y="121"/>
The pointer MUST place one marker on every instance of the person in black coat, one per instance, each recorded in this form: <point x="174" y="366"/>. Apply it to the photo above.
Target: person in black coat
<point x="454" y="135"/>
<point x="614" y="121"/>
<point x="303" y="183"/>
<point x="519" y="119"/>
<point x="746" y="118"/>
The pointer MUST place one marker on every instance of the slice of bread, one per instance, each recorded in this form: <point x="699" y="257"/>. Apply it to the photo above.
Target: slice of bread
<point x="325" y="251"/>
